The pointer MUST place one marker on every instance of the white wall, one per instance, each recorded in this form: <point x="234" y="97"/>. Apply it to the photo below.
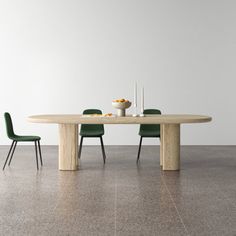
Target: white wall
<point x="64" y="56"/>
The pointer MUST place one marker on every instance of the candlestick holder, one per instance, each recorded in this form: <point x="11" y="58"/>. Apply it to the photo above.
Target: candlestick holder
<point x="142" y="115"/>
<point x="142" y="101"/>
<point x="135" y="111"/>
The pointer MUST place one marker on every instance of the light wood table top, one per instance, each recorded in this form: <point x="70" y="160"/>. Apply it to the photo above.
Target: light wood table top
<point x="129" y="119"/>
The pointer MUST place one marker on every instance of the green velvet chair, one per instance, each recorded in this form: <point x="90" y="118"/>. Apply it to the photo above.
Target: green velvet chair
<point x="92" y="131"/>
<point x="149" y="130"/>
<point x="17" y="138"/>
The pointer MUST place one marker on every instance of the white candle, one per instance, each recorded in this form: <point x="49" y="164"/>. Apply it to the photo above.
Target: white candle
<point x="142" y="99"/>
<point x="135" y="94"/>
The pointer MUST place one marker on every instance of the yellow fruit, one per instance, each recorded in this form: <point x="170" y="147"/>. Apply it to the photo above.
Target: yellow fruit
<point x="121" y="100"/>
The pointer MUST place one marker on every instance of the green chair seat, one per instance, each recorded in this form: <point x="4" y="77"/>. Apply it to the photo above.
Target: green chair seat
<point x="91" y="130"/>
<point x="19" y="138"/>
<point x="152" y="133"/>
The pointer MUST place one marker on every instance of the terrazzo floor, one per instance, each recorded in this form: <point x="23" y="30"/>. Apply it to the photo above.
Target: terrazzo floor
<point x="120" y="198"/>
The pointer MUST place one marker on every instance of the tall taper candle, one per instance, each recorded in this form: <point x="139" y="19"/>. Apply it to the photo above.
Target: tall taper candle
<point x="135" y="94"/>
<point x="142" y="100"/>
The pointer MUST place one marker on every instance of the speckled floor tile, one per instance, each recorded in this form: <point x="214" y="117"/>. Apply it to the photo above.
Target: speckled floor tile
<point x="120" y="198"/>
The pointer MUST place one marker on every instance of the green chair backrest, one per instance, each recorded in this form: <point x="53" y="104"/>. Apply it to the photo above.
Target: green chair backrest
<point x="91" y="127"/>
<point x="9" y="125"/>
<point x="151" y="127"/>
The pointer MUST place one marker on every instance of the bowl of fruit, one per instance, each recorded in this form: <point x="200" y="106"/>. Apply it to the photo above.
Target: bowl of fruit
<point x="121" y="105"/>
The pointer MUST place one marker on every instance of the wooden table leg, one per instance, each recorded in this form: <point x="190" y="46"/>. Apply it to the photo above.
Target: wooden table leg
<point x="68" y="147"/>
<point x="170" y="142"/>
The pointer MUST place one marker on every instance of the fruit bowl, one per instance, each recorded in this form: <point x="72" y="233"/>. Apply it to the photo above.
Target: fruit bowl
<point x="121" y="105"/>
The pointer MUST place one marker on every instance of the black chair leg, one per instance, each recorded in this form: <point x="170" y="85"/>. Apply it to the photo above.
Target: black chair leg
<point x="40" y="154"/>
<point x="36" y="152"/>
<point x="12" y="153"/>
<point x="139" y="149"/>
<point x="8" y="155"/>
<point x="103" y="150"/>
<point x="80" y="146"/>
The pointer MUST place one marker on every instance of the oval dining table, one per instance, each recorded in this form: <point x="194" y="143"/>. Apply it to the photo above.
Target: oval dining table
<point x="169" y="138"/>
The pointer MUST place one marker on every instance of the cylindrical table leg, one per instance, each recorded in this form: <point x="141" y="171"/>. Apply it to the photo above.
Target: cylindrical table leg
<point x="68" y="146"/>
<point x="171" y="146"/>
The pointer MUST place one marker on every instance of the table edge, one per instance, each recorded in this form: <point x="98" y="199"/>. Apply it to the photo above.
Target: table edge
<point x="136" y="120"/>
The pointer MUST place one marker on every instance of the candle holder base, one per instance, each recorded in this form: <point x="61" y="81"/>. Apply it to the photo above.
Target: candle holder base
<point x="141" y="115"/>
<point x="135" y="115"/>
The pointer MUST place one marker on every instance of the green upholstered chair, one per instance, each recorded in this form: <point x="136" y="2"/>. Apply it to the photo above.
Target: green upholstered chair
<point x="17" y="138"/>
<point x="92" y="131"/>
<point x="149" y="130"/>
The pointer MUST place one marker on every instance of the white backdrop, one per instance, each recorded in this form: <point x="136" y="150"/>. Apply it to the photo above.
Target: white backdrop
<point x="64" y="56"/>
